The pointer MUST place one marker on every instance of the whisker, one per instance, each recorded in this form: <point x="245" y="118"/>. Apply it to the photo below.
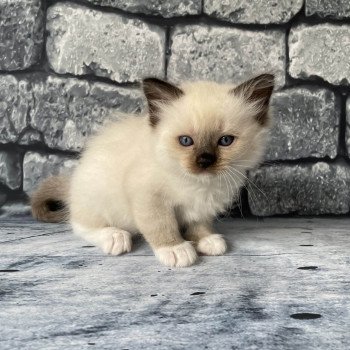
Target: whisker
<point x="238" y="192"/>
<point x="228" y="190"/>
<point x="251" y="190"/>
<point x="250" y="181"/>
<point x="251" y="194"/>
<point x="243" y="185"/>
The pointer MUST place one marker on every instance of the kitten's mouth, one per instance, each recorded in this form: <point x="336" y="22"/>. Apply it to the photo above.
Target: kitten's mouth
<point x="203" y="172"/>
<point x="207" y="170"/>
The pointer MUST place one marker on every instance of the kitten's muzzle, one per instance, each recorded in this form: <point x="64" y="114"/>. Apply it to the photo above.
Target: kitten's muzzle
<point x="205" y="160"/>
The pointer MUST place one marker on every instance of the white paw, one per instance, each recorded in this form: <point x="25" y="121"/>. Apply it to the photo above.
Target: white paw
<point x="116" y="241"/>
<point x="180" y="255"/>
<point x="214" y="244"/>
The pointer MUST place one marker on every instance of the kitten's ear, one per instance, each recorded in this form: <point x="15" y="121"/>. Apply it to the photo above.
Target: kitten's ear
<point x="258" y="90"/>
<point x="159" y="92"/>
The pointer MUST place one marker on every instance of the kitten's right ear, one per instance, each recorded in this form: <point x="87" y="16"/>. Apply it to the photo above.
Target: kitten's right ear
<point x="258" y="90"/>
<point x="159" y="92"/>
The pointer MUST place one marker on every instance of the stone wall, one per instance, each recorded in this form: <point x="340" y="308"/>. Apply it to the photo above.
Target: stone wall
<point x="65" y="66"/>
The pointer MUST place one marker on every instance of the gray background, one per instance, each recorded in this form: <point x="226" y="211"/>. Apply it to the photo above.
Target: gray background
<point x="66" y="66"/>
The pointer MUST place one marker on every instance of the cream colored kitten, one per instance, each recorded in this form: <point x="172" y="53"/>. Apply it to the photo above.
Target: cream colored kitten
<point x="175" y="168"/>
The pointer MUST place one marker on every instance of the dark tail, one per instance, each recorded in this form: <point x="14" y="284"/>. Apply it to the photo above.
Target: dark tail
<point x="49" y="202"/>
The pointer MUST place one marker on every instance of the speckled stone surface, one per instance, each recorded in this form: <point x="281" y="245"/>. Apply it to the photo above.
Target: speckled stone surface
<point x="30" y="137"/>
<point x="254" y="11"/>
<point x="220" y="54"/>
<point x="347" y="132"/>
<point x="10" y="169"/>
<point x="305" y="124"/>
<point x="67" y="111"/>
<point x="320" y="51"/>
<point x="15" y="103"/>
<point x="38" y="166"/>
<point x="305" y="189"/>
<point x="3" y="198"/>
<point x="284" y="284"/>
<point x="328" y="8"/>
<point x="84" y="41"/>
<point x="61" y="112"/>
<point x="21" y="33"/>
<point x="154" y="7"/>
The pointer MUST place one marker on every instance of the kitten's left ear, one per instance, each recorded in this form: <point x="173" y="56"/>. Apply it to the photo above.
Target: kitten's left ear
<point x="258" y="90"/>
<point x="159" y="92"/>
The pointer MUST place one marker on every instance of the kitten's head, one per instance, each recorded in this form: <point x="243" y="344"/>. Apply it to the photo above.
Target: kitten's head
<point x="205" y="128"/>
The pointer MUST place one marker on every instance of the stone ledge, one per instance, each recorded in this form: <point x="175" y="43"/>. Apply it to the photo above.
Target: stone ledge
<point x="64" y="294"/>
<point x="85" y="41"/>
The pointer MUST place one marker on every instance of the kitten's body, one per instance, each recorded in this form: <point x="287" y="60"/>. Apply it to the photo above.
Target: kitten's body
<point x="126" y="176"/>
<point x="136" y="177"/>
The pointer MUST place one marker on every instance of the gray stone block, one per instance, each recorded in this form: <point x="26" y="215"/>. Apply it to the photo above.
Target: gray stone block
<point x="306" y="122"/>
<point x="225" y="54"/>
<point x="68" y="110"/>
<point x="154" y="7"/>
<point x="83" y="41"/>
<point x="254" y="11"/>
<point x="16" y="101"/>
<point x="30" y="137"/>
<point x="21" y="33"/>
<point x="320" y="51"/>
<point x="305" y="189"/>
<point x="347" y="132"/>
<point x="10" y="169"/>
<point x="328" y="8"/>
<point x="3" y="198"/>
<point x="37" y="167"/>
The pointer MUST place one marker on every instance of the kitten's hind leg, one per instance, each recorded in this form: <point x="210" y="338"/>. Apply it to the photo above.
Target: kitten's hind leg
<point x="206" y="240"/>
<point x="111" y="240"/>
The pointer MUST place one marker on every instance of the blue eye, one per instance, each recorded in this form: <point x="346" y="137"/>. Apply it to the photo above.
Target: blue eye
<point x="226" y="140"/>
<point x="185" y="141"/>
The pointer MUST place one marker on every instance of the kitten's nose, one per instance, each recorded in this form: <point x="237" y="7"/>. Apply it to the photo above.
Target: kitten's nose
<point x="205" y="160"/>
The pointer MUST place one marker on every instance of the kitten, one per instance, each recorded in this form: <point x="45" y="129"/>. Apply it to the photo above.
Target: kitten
<point x="175" y="168"/>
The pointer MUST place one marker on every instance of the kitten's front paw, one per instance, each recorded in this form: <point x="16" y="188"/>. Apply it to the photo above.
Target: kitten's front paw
<point x="214" y="244"/>
<point x="117" y="241"/>
<point x="180" y="255"/>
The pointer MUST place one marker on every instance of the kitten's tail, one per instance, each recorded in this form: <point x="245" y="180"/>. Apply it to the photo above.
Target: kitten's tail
<point x="49" y="202"/>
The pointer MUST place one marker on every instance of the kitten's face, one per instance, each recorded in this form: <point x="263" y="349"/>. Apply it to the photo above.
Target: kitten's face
<point x="207" y="128"/>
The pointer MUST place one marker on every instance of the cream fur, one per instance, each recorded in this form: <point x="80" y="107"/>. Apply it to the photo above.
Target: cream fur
<point x="213" y="244"/>
<point x="136" y="178"/>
